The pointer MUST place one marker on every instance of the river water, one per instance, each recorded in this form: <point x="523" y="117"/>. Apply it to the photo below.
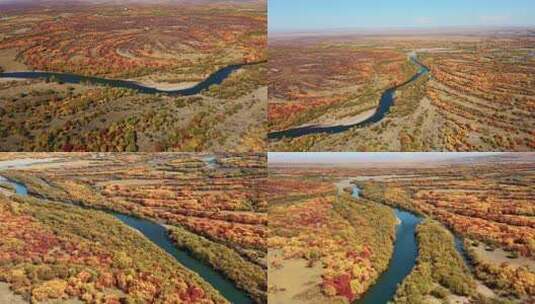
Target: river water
<point x="210" y="162"/>
<point x="215" y="78"/>
<point x="459" y="245"/>
<point x="401" y="263"/>
<point x="158" y="235"/>
<point x="386" y="101"/>
<point x="403" y="257"/>
<point x="19" y="188"/>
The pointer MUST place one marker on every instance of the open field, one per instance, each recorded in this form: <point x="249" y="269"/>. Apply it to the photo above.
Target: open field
<point x="474" y="243"/>
<point x="212" y="207"/>
<point x="477" y="96"/>
<point x="167" y="46"/>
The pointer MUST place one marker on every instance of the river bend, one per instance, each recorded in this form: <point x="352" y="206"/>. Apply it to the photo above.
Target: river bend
<point x="403" y="257"/>
<point x="159" y="236"/>
<point x="214" y="79"/>
<point x="385" y="103"/>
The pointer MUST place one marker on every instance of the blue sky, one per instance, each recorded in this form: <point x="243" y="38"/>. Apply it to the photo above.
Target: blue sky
<point x="303" y="15"/>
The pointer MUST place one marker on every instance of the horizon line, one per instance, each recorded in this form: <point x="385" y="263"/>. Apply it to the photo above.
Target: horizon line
<point x="399" y="28"/>
<point x="358" y="158"/>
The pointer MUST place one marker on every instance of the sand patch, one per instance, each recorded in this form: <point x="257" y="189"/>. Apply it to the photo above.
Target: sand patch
<point x="484" y="290"/>
<point x="125" y="53"/>
<point x="432" y="300"/>
<point x="293" y="281"/>
<point x="499" y="256"/>
<point x="8" y="296"/>
<point x="349" y="121"/>
<point x="166" y="86"/>
<point x="129" y="182"/>
<point x="454" y="299"/>
<point x="21" y="31"/>
<point x="8" y="62"/>
<point x="23" y="162"/>
<point x="7" y="193"/>
<point x="10" y="79"/>
<point x="41" y="164"/>
<point x="62" y="301"/>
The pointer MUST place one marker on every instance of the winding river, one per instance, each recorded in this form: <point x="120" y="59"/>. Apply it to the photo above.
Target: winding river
<point x="215" y="78"/>
<point x="401" y="263"/>
<point x="157" y="233"/>
<point x="403" y="258"/>
<point x="159" y="236"/>
<point x="386" y="101"/>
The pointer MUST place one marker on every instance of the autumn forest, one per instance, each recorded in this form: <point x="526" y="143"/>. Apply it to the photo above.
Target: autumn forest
<point x="410" y="92"/>
<point x="401" y="229"/>
<point x="133" y="76"/>
<point x="267" y="152"/>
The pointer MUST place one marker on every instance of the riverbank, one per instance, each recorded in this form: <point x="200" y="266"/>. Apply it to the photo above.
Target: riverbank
<point x="440" y="271"/>
<point x="216" y="78"/>
<point x="401" y="263"/>
<point x="403" y="258"/>
<point x="361" y="120"/>
<point x="164" y="86"/>
<point x="332" y="238"/>
<point x="159" y="235"/>
<point x="78" y="117"/>
<point x="451" y="283"/>
<point x="413" y="269"/>
<point x="154" y="232"/>
<point x="115" y="259"/>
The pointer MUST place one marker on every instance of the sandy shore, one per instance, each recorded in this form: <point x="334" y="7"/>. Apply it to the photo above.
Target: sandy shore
<point x="164" y="86"/>
<point x="9" y="79"/>
<point x="348" y="121"/>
